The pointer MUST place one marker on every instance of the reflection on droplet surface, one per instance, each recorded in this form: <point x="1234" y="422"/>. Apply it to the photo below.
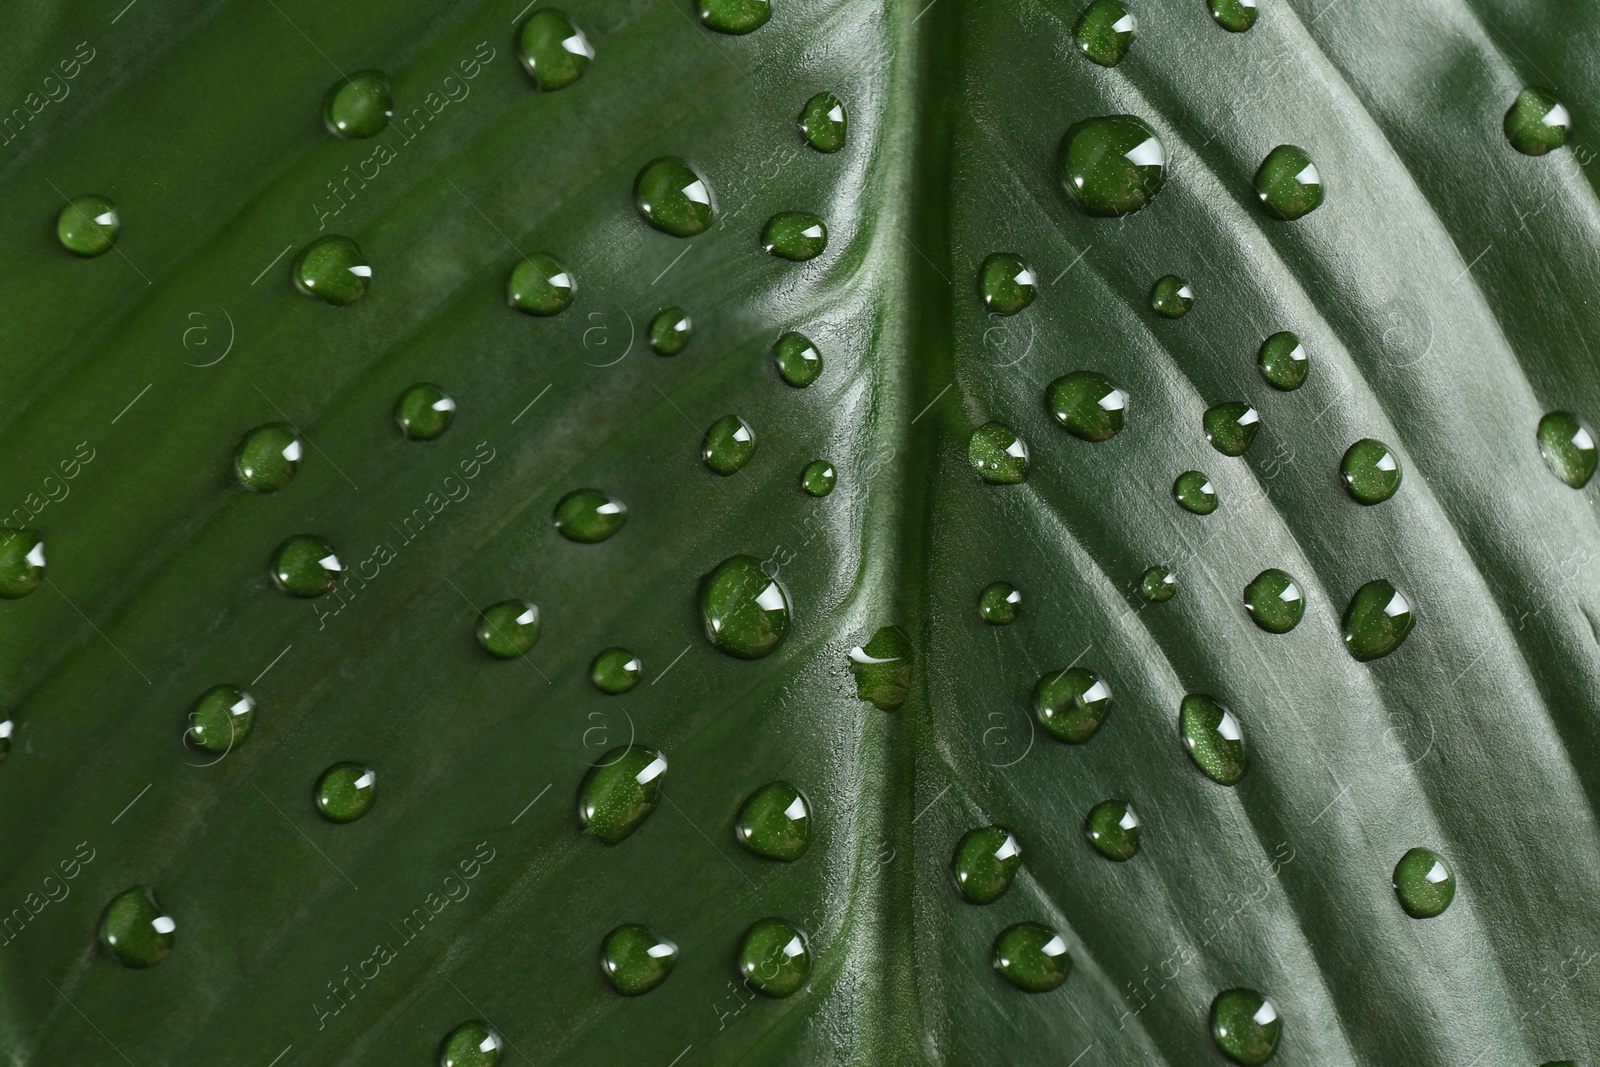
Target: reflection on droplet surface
<point x="1377" y="621"/>
<point x="998" y="454"/>
<point x="472" y="1044"/>
<point x="1090" y="406"/>
<point x="1537" y="122"/>
<point x="1194" y="492"/>
<point x="1568" y="448"/>
<point x="882" y="668"/>
<point x="540" y="286"/>
<point x="673" y="198"/>
<point x="589" y="516"/>
<point x="268" y="457"/>
<point x="669" y="331"/>
<point x="1072" y="703"/>
<point x="1104" y="32"/>
<point x="799" y="362"/>
<point x="358" y="106"/>
<point x="1283" y="361"/>
<point x="620" y="792"/>
<point x="818" y="478"/>
<point x="775" y="823"/>
<point x="745" y="612"/>
<point x="1213" y="737"/>
<point x="1032" y="957"/>
<point x="424" y="412"/>
<point x="345" y="791"/>
<point x="305" y="566"/>
<point x="1111" y="166"/>
<point x="1231" y="427"/>
<point x="221" y="718"/>
<point x="1006" y="283"/>
<point x="134" y="930"/>
<point x="1288" y="184"/>
<point x="794" y="235"/>
<point x="1000" y="603"/>
<point x="774" y="957"/>
<point x="986" y="859"/>
<point x="636" y="959"/>
<point x="88" y="226"/>
<point x="508" y="629"/>
<point x="729" y="444"/>
<point x="333" y="270"/>
<point x="1424" y="884"/>
<point x="1158" y="584"/>
<point x="1171" y="297"/>
<point x="1275" y="601"/>
<point x="21" y="563"/>
<point x="1371" y="471"/>
<point x="823" y="122"/>
<point x="1245" y="1026"/>
<point x="553" y="51"/>
<point x="1113" y="829"/>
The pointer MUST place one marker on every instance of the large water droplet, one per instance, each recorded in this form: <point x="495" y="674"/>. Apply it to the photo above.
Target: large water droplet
<point x="620" y="792"/>
<point x="134" y="929"/>
<point x="21" y="563"/>
<point x="746" y="613"/>
<point x="221" y="718"/>
<point x="1113" y="829"/>
<point x="1089" y="405"/>
<point x="1171" y="297"/>
<point x="1111" y="166"/>
<point x="1032" y="957"/>
<point x="774" y="957"/>
<point x="818" y="478"/>
<point x="1424" y="883"/>
<point x="1213" y="737"/>
<point x="1231" y="427"/>
<point x="1158" y="584"/>
<point x="1194" y="492"/>
<point x="1283" y="361"/>
<point x="358" y="106"/>
<point x="794" y="235"/>
<point x="1007" y="283"/>
<point x="1567" y="447"/>
<point x="332" y="269"/>
<point x="1288" y="184"/>
<point x="1235" y="16"/>
<point x="508" y="629"/>
<point x="589" y="516"/>
<point x="1371" y="472"/>
<point x="673" y="198"/>
<point x="1377" y="621"/>
<point x="305" y="565"/>
<point x="1275" y="601"/>
<point x="554" y="52"/>
<point x="540" y="286"/>
<point x="268" y="457"/>
<point x="424" y="411"/>
<point x="735" y="16"/>
<point x="1537" y="122"/>
<point x="729" y="445"/>
<point x="88" y="225"/>
<point x="775" y="823"/>
<point x="882" y="668"/>
<point x="822" y="122"/>
<point x="1246" y="1026"/>
<point x="472" y="1044"/>
<point x="799" y="362"/>
<point x="636" y="959"/>
<point x="1104" y="32"/>
<point x="998" y="454"/>
<point x="985" y="861"/>
<point x="615" y="670"/>
<point x="669" y="331"/>
<point x="1000" y="603"/>
<point x="345" y="791"/>
<point x="1072" y="703"/>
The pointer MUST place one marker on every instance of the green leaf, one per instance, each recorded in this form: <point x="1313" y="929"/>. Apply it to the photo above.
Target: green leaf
<point x="1442" y="287"/>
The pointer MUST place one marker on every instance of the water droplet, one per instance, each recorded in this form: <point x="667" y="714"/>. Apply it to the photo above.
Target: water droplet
<point x="540" y="286"/>
<point x="1113" y="829"/>
<point x="999" y="603"/>
<point x="134" y="930"/>
<point x="1424" y="884"/>
<point x="775" y="822"/>
<point x="508" y="629"/>
<point x="7" y="728"/>
<point x="794" y="235"/>
<point x="472" y="1044"/>
<point x="1246" y="1026"/>
<point x="998" y="454"/>
<point x="1537" y="122"/>
<point x="669" y="331"/>
<point x="1371" y="472"/>
<point x="1089" y="405"/>
<point x="332" y="269"/>
<point x="1214" y="738"/>
<point x="615" y="670"/>
<point x="1171" y="297"/>
<point x="882" y="668"/>
<point x="620" y="792"/>
<point x="1072" y="703"/>
<point x="773" y="955"/>
<point x="305" y="565"/>
<point x="424" y="412"/>
<point x="1567" y="447"/>
<point x="554" y="52"/>
<point x="21" y="563"/>
<point x="636" y="959"/>
<point x="729" y="445"/>
<point x="673" y="198"/>
<point x="985" y="861"/>
<point x="1007" y="283"/>
<point x="1283" y="361"/>
<point x="1231" y="427"/>
<point x="819" y="478"/>
<point x="1158" y="584"/>
<point x="799" y="361"/>
<point x="221" y="718"/>
<point x="1104" y="32"/>
<point x="268" y="457"/>
<point x="345" y="791"/>
<point x="1235" y="16"/>
<point x="1275" y="601"/>
<point x="88" y="225"/>
<point x="822" y="122"/>
<point x="589" y="516"/>
<point x="1377" y="621"/>
<point x="358" y="106"/>
<point x="1111" y="166"/>
<point x="746" y="613"/>
<point x="1194" y="492"/>
<point x="1288" y="183"/>
<point x="1032" y="957"/>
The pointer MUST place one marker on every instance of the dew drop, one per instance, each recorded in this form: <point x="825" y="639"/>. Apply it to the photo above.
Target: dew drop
<point x="1111" y="166"/>
<point x="1104" y="32"/>
<point x="794" y="235"/>
<point x="540" y="286"/>
<point x="1113" y="829"/>
<point x="818" y="478"/>
<point x="615" y="670"/>
<point x="998" y="454"/>
<point x="799" y="362"/>
<point x="1537" y="122"/>
<point x="822" y="122"/>
<point x="1288" y="184"/>
<point x="508" y="629"/>
<point x="1231" y="427"/>
<point x="554" y="52"/>
<point x="775" y="823"/>
<point x="268" y="457"/>
<point x="472" y="1044"/>
<point x="734" y="16"/>
<point x="1032" y="957"/>
<point x="882" y="668"/>
<point x="669" y="332"/>
<point x="1213" y="737"/>
<point x="1283" y="361"/>
<point x="7" y="728"/>
<point x="221" y="718"/>
<point x="134" y="929"/>
<point x="589" y="516"/>
<point x="729" y="444"/>
<point x="1377" y="621"/>
<point x="1567" y="447"/>
<point x="745" y="612"/>
<point x="1245" y="1026"/>
<point x="1071" y="703"/>
<point x="985" y="861"/>
<point x="620" y="792"/>
<point x="1171" y="297"/>
<point x="1091" y="406"/>
<point x="1424" y="884"/>
<point x="424" y="411"/>
<point x="21" y="563"/>
<point x="88" y="226"/>
<point x="1275" y="601"/>
<point x="333" y="270"/>
<point x="305" y="566"/>
<point x="1158" y="584"/>
<point x="673" y="198"/>
<point x="636" y="959"/>
<point x="345" y="791"/>
<point x="1007" y="283"/>
<point x="358" y="106"/>
<point x="774" y="957"/>
<point x="1235" y="16"/>
<point x="1000" y="603"/>
<point x="1194" y="492"/>
<point x="1371" y="472"/>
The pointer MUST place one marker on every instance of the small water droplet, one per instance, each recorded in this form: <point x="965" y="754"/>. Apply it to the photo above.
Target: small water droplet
<point x="134" y="929"/>
<point x="1246" y="1026"/>
<point x="1091" y="406"/>
<point x="508" y="629"/>
<point x="21" y="563"/>
<point x="1235" y="16"/>
<point x="1283" y="361"/>
<point x="1568" y="448"/>
<point x="1032" y="957"/>
<point x="1424" y="884"/>
<point x="1158" y="584"/>
<point x="985" y="861"/>
<point x="1171" y="297"/>
<point x="268" y="457"/>
<point x="221" y="718"/>
<point x="882" y="668"/>
<point x="636" y="959"/>
<point x="669" y="331"/>
<point x="472" y="1044"/>
<point x="1371" y="471"/>
<point x="1104" y="32"/>
<point x="998" y="454"/>
<point x="1231" y="427"/>
<point x="540" y="286"/>
<point x="1194" y="492"/>
<point x="794" y="235"/>
<point x="1113" y="829"/>
<point x="799" y="361"/>
<point x="1213" y="737"/>
<point x="822" y="122"/>
<point x="1111" y="166"/>
<point x="358" y="106"/>
<point x="673" y="197"/>
<point x="818" y="478"/>
<point x="1288" y="184"/>
<point x="7" y="729"/>
<point x="305" y="565"/>
<point x="1537" y="122"/>
<point x="615" y="670"/>
<point x="775" y="823"/>
<point x="745" y="612"/>
<point x="1000" y="603"/>
<point x="345" y="791"/>
<point x="621" y="791"/>
<point x="88" y="226"/>
<point x="424" y="411"/>
<point x="1072" y="703"/>
<point x="1275" y="601"/>
<point x="554" y="52"/>
<point x="1007" y="283"/>
<point x="729" y="444"/>
<point x="333" y="270"/>
<point x="1377" y="621"/>
<point x="773" y="955"/>
<point x="589" y="516"/>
